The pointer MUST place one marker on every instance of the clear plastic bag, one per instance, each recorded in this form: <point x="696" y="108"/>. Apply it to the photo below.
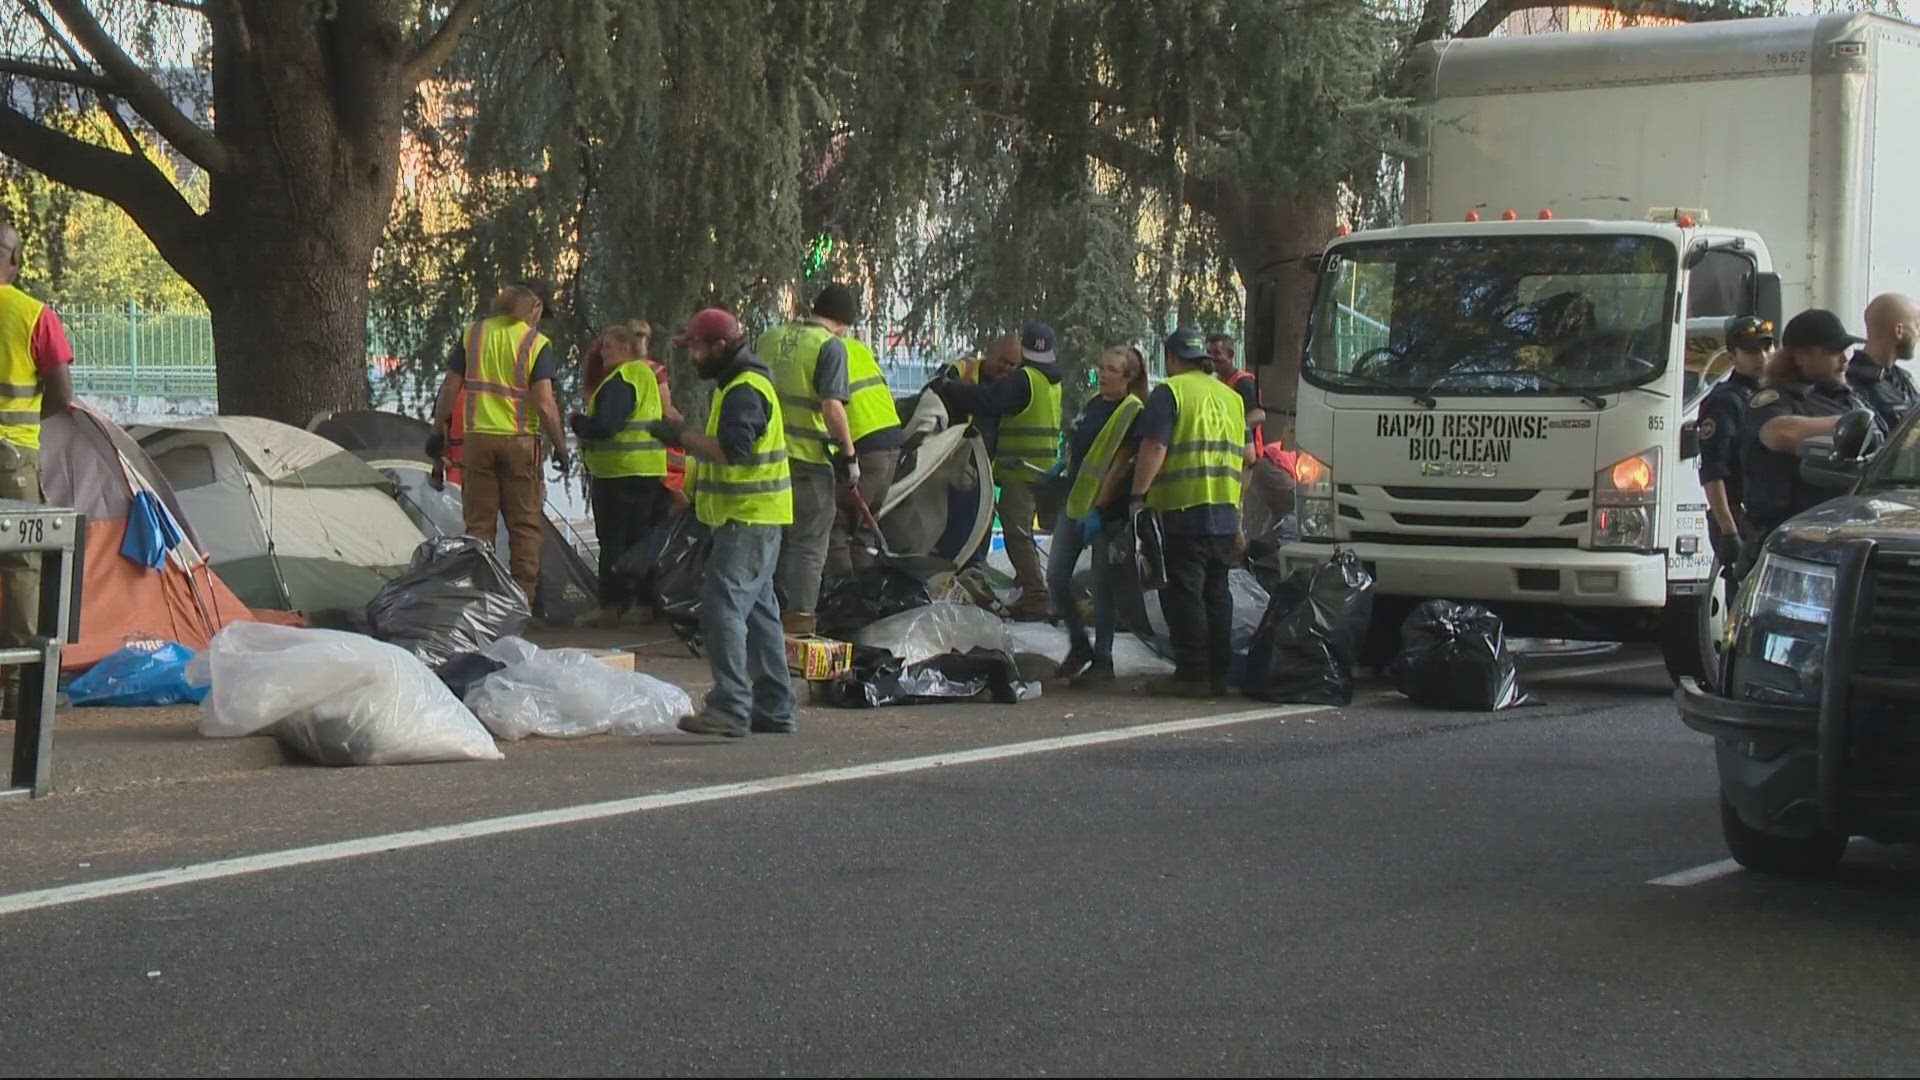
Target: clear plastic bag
<point x="334" y="697"/>
<point x="936" y="629"/>
<point x="1131" y="657"/>
<point x="568" y="694"/>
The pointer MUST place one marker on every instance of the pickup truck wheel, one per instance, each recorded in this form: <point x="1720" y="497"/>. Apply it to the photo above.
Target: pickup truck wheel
<point x="1769" y="854"/>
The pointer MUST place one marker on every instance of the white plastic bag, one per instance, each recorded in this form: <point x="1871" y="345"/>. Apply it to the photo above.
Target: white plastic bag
<point x="1132" y="658"/>
<point x="932" y="630"/>
<point x="337" y="698"/>
<point x="567" y="693"/>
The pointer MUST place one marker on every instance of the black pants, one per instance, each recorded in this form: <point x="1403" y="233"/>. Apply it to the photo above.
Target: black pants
<point x="1198" y="605"/>
<point x="625" y="510"/>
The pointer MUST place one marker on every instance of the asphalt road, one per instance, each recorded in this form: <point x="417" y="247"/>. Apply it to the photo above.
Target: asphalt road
<point x="1377" y="890"/>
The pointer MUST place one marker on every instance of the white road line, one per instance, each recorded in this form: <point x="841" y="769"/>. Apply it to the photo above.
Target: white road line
<point x="348" y="849"/>
<point x="1698" y="874"/>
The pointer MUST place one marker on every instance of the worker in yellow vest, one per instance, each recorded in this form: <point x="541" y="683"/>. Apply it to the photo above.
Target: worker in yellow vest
<point x="874" y="422"/>
<point x="39" y="382"/>
<point x="809" y="363"/>
<point x="506" y="368"/>
<point x="1019" y="414"/>
<point x="627" y="464"/>
<point x="1193" y="438"/>
<point x="743" y="491"/>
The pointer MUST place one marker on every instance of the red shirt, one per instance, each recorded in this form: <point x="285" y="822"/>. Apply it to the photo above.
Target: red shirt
<point x="50" y="348"/>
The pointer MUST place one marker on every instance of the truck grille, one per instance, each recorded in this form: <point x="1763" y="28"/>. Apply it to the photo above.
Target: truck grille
<point x="1889" y="642"/>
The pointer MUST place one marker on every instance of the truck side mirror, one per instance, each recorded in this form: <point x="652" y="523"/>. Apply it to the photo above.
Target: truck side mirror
<point x="1689" y="441"/>
<point x="1825" y="467"/>
<point x="1766" y="298"/>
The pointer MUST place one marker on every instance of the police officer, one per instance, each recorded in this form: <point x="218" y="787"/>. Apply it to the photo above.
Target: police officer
<point x="1893" y="324"/>
<point x="1805" y="395"/>
<point x="1748" y="338"/>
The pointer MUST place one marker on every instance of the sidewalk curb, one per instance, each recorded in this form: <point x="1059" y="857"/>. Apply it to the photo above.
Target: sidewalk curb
<point x="89" y="761"/>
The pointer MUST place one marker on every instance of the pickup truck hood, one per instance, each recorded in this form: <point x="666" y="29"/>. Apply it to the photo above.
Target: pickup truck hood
<point x="1890" y="516"/>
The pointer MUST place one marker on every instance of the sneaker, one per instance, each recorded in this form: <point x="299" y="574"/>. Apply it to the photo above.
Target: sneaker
<point x="1097" y="673"/>
<point x="1172" y="687"/>
<point x="704" y="723"/>
<point x="1079" y="658"/>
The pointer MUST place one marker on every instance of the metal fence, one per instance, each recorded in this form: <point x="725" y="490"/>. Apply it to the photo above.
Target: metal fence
<point x="139" y="352"/>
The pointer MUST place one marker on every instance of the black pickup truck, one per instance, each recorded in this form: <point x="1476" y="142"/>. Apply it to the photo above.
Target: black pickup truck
<point x="1816" y="722"/>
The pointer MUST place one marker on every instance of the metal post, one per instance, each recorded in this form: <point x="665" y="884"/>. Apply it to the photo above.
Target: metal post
<point x="133" y="349"/>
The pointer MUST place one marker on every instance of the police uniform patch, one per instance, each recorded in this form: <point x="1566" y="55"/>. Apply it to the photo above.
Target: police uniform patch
<point x="1707" y="428"/>
<point x="1763" y="399"/>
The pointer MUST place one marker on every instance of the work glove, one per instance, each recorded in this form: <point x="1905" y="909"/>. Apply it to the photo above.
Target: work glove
<point x="1059" y="470"/>
<point x="1751" y="548"/>
<point x="667" y="431"/>
<point x="436" y="446"/>
<point x="562" y="463"/>
<point x="845" y="465"/>
<point x="1726" y="548"/>
<point x="1090" y="526"/>
<point x="577" y="423"/>
<point x="1136" y="506"/>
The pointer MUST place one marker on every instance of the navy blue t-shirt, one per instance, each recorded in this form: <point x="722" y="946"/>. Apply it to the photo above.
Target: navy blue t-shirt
<point x="1194" y="523"/>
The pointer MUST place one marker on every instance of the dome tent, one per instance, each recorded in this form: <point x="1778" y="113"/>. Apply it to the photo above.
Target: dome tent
<point x="292" y="522"/>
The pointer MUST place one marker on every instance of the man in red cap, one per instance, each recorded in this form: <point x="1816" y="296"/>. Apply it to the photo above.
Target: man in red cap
<point x="743" y="491"/>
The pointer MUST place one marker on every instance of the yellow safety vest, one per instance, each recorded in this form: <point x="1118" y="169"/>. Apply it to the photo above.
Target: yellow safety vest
<point x="632" y="451"/>
<point x="870" y="405"/>
<point x="969" y="371"/>
<point x="792" y="350"/>
<point x="756" y="490"/>
<point x="1207" y="454"/>
<point x="499" y="376"/>
<point x="1093" y="468"/>
<point x="20" y="381"/>
<point x="1031" y="437"/>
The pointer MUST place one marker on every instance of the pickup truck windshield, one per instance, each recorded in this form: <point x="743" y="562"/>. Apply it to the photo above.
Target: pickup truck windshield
<point x="1493" y="316"/>
<point x="1898" y="464"/>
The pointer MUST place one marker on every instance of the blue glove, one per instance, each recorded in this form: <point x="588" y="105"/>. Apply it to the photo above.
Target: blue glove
<point x="1090" y="525"/>
<point x="1059" y="469"/>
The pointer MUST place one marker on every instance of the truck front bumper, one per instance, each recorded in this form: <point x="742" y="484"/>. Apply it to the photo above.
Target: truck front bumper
<point x="1563" y="576"/>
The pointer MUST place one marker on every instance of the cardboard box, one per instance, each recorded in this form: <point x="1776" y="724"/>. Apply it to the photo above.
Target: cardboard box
<point x="617" y="659"/>
<point x="818" y="659"/>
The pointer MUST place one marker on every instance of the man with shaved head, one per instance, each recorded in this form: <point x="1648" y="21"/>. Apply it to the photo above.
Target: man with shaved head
<point x="34" y="381"/>
<point x="1893" y="327"/>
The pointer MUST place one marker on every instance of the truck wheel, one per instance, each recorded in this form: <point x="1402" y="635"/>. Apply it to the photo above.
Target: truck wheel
<point x="1769" y="854"/>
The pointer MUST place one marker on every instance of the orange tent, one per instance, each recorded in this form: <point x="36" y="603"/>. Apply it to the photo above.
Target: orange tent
<point x="91" y="465"/>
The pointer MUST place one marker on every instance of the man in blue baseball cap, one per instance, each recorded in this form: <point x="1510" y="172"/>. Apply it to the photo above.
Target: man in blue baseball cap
<point x="1019" y="415"/>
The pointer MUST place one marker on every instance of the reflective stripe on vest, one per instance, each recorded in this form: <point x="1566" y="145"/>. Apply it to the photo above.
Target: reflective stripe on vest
<point x="20" y="394"/>
<point x="499" y="376"/>
<point x="792" y="350"/>
<point x="870" y="405"/>
<point x="1259" y="430"/>
<point x="758" y="488"/>
<point x="1205" y="458"/>
<point x="1093" y="468"/>
<point x="632" y="451"/>
<point x="1032" y="437"/>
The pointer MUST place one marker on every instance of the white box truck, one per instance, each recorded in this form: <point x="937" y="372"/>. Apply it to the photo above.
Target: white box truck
<point x="1497" y="399"/>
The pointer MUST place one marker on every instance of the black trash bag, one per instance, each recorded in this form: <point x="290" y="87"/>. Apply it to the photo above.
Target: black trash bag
<point x="880" y="679"/>
<point x="668" y="565"/>
<point x="1314" y="626"/>
<point x="869" y="594"/>
<point x="458" y="598"/>
<point x="1454" y="656"/>
<point x="1140" y="548"/>
<point x="464" y="671"/>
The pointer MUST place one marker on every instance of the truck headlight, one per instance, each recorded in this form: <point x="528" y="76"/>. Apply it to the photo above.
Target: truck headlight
<point x="1782" y="614"/>
<point x="1626" y="504"/>
<point x="1313" y="495"/>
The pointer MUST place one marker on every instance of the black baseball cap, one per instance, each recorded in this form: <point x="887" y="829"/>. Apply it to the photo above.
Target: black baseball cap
<point x="1188" y="343"/>
<point x="1817" y="329"/>
<point x="1750" y="333"/>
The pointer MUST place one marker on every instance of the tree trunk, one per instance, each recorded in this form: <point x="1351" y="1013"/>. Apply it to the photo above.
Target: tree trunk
<point x="1271" y="240"/>
<point x="293" y="341"/>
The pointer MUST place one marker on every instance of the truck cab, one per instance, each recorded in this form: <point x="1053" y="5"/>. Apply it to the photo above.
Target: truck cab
<point x="1503" y="412"/>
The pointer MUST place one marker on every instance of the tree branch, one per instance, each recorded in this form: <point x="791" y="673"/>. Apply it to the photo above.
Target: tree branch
<point x="428" y="58"/>
<point x="89" y="80"/>
<point x="138" y="88"/>
<point x="1495" y="12"/>
<point x="129" y="181"/>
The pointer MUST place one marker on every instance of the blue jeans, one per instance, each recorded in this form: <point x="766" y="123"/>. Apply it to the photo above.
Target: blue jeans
<point x="1063" y="552"/>
<point x="740" y="628"/>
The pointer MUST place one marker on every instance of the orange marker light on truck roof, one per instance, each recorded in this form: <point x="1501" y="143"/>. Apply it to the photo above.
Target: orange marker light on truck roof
<point x="1508" y="215"/>
<point x="1546" y="215"/>
<point x="1473" y="215"/>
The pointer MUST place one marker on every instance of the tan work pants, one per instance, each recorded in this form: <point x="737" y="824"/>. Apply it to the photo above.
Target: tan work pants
<point x="502" y="478"/>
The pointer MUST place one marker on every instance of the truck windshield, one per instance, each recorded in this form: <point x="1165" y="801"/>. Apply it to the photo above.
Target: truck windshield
<point x="1493" y="315"/>
<point x="1898" y="464"/>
